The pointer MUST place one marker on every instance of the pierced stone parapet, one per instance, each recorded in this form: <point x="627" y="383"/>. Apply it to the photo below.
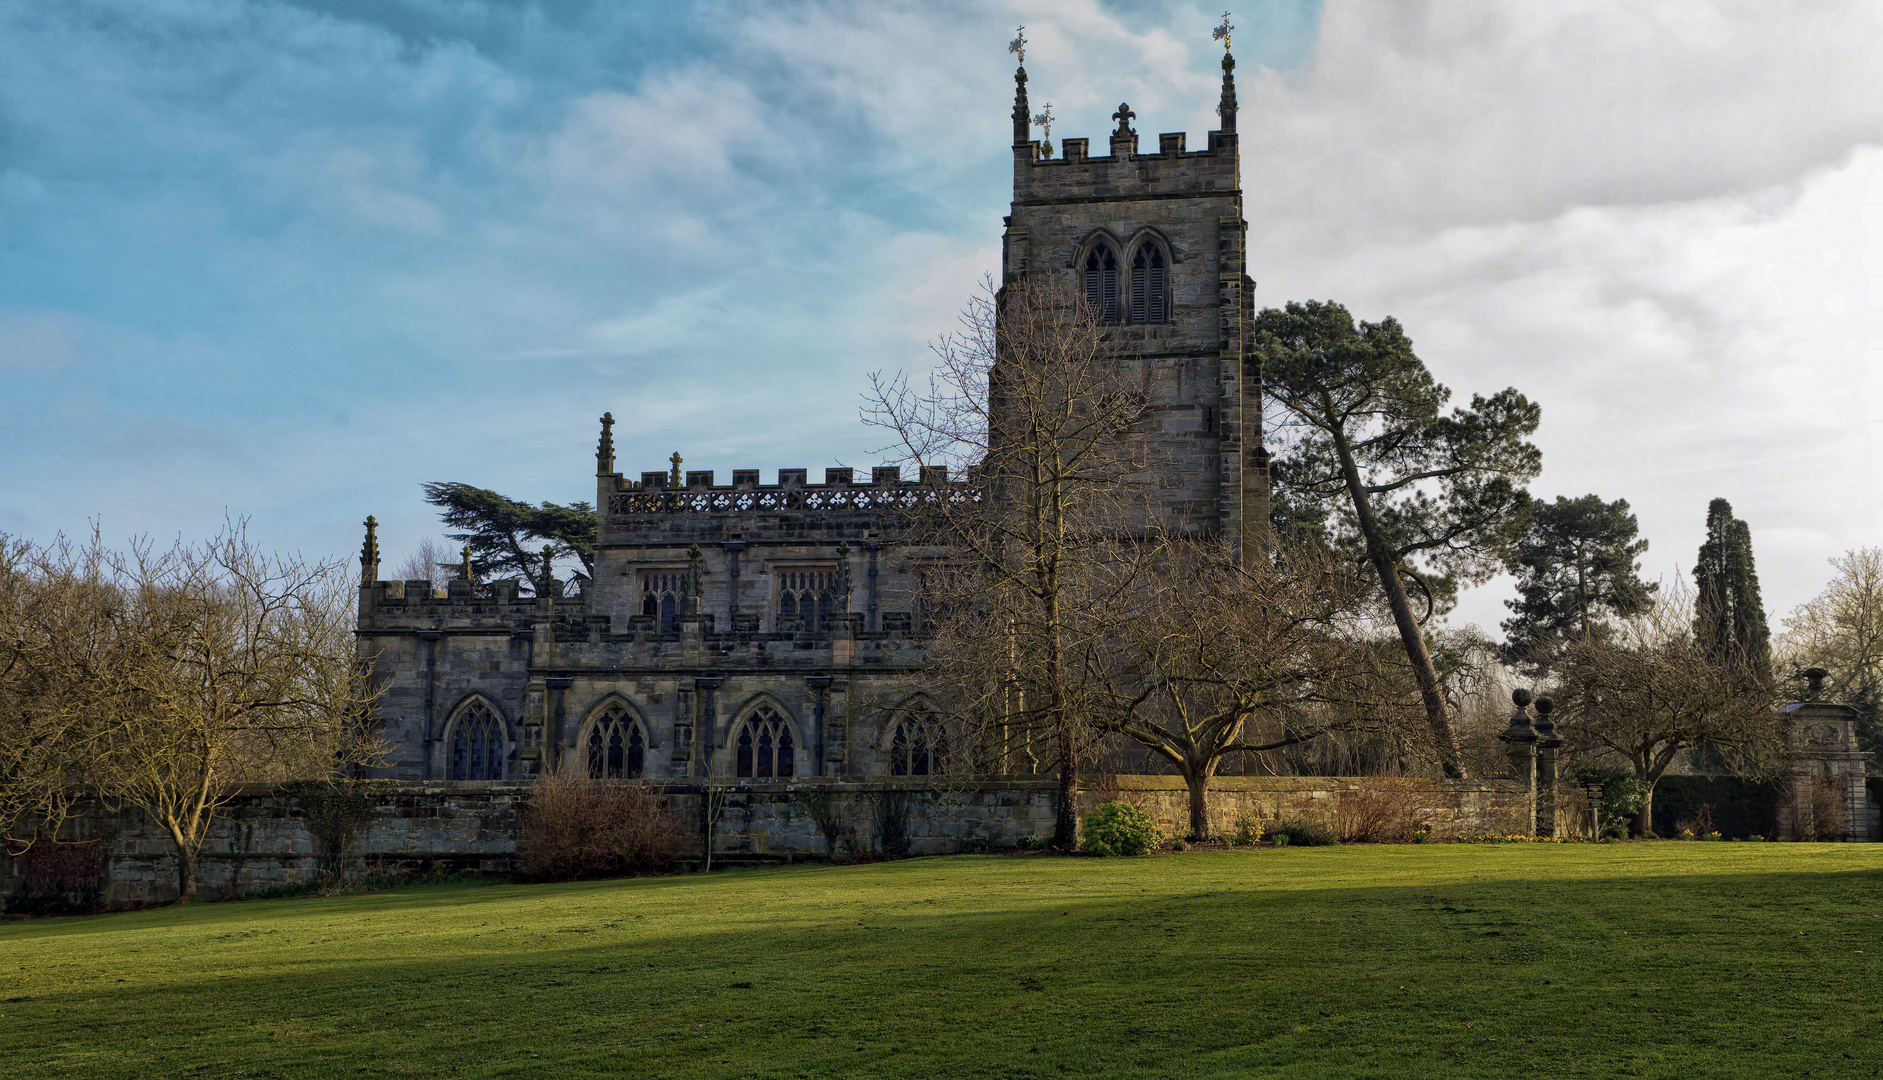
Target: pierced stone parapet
<point x="795" y="496"/>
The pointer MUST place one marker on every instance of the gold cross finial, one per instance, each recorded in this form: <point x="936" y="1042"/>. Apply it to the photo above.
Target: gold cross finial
<point x="1221" y="33"/>
<point x="1045" y="120"/>
<point x="1018" y="45"/>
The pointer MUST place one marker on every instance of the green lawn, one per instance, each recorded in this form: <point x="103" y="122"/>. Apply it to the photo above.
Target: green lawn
<point x="1678" y="960"/>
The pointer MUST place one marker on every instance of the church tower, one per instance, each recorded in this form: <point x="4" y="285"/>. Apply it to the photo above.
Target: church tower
<point x="1155" y="243"/>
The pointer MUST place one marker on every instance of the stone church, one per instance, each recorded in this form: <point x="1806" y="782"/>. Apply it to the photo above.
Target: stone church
<point x="766" y="630"/>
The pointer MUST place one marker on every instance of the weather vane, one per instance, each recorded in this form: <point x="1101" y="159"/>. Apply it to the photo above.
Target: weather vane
<point x="1018" y="46"/>
<point x="1045" y="120"/>
<point x="1221" y="33"/>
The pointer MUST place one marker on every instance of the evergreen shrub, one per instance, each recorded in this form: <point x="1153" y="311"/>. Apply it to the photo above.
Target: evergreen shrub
<point x="1116" y="828"/>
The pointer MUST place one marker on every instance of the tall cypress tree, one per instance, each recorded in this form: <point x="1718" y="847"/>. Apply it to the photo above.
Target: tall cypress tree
<point x="1729" y="616"/>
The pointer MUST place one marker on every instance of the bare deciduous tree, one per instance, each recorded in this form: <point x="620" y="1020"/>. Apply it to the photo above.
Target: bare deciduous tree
<point x="432" y="561"/>
<point x="1841" y="630"/>
<point x="64" y="633"/>
<point x="1030" y="404"/>
<point x="1222" y="655"/>
<point x="1650" y="690"/>
<point x="244" y="670"/>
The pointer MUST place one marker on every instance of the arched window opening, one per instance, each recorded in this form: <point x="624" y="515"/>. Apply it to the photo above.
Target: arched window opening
<point x="918" y="746"/>
<point x="1101" y="283"/>
<point x="764" y="745"/>
<point x="1150" y="291"/>
<point x="477" y="744"/>
<point x="617" y="746"/>
<point x="660" y="598"/>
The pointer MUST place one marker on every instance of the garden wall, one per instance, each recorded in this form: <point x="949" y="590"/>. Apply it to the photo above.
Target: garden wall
<point x="263" y="841"/>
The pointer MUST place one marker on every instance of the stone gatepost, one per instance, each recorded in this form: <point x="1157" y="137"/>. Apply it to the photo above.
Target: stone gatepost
<point x="1549" y="804"/>
<point x="1825" y="796"/>
<point x="1520" y="739"/>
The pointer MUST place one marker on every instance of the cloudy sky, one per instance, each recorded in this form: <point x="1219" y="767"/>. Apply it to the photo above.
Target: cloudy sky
<point x="287" y="260"/>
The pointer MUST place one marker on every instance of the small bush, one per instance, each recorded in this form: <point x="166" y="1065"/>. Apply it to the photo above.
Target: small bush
<point x="576" y="827"/>
<point x="1248" y="831"/>
<point x="1384" y="811"/>
<point x="1115" y="828"/>
<point x="1303" y="834"/>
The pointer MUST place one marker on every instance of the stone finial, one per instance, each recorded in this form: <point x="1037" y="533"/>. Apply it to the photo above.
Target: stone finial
<point x="549" y="565"/>
<point x="1519" y="730"/>
<point x="605" y="449"/>
<point x="1814" y="682"/>
<point x="1124" y="116"/>
<point x="1020" y="114"/>
<point x="1226" y="108"/>
<point x="1545" y="727"/>
<point x="369" y="551"/>
<point x="464" y="566"/>
<point x="673" y="473"/>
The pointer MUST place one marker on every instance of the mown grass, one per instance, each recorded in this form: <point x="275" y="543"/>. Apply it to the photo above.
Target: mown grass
<point x="1674" y="960"/>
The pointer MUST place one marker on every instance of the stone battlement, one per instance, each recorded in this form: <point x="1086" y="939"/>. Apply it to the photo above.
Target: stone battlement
<point x="840" y="491"/>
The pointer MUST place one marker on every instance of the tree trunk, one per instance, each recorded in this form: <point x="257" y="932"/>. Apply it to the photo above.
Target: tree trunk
<point x="186" y="872"/>
<point x="1198" y="781"/>
<point x="1065" y="801"/>
<point x="1437" y="717"/>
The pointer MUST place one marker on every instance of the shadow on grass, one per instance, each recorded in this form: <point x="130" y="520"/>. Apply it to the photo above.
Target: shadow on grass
<point x="1345" y="962"/>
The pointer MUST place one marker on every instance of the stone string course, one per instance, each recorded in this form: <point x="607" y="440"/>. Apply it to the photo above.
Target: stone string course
<point x="421" y="828"/>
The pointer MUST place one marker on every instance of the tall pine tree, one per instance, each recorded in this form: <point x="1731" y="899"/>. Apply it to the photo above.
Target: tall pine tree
<point x="1729" y="617"/>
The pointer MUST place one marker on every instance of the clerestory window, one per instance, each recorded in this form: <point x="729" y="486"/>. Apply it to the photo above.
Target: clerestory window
<point x="661" y="593"/>
<point x="806" y="598"/>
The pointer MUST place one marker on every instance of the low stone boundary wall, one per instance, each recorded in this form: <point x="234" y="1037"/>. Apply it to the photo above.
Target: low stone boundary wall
<point x="262" y="839"/>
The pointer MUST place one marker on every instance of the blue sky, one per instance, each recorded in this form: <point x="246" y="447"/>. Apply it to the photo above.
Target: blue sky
<point x="289" y="261"/>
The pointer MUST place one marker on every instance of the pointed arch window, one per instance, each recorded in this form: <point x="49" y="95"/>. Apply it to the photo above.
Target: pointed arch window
<point x="617" y="745"/>
<point x="477" y="744"/>
<point x="1101" y="282"/>
<point x="764" y="747"/>
<point x="1150" y="285"/>
<point x="917" y="746"/>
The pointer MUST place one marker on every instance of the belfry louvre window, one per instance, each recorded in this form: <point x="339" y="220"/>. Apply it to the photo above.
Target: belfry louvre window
<point x="617" y="747"/>
<point x="1101" y="283"/>
<point x="763" y="748"/>
<point x="807" y="598"/>
<point x="1150" y="290"/>
<point x="477" y="744"/>
<point x="661" y="593"/>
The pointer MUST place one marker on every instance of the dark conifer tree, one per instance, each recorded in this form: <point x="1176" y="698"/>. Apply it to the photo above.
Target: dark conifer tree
<point x="1729" y="616"/>
<point x="1575" y="565"/>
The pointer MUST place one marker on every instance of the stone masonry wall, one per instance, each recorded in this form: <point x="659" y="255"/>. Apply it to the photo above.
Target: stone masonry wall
<point x="262" y="840"/>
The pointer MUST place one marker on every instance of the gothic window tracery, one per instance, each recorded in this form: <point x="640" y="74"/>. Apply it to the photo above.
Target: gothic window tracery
<point x="764" y="746"/>
<point x="1101" y="282"/>
<point x="661" y="598"/>
<point x="917" y="745"/>
<point x="1150" y="289"/>
<point x="476" y="743"/>
<point x="617" y="745"/>
<point x="806" y="597"/>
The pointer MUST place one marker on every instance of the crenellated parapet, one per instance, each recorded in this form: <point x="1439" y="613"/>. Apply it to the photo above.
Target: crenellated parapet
<point x="840" y="492"/>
